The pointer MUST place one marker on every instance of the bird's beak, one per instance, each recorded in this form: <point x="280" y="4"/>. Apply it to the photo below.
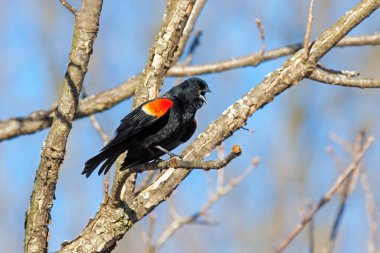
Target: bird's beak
<point x="203" y="98"/>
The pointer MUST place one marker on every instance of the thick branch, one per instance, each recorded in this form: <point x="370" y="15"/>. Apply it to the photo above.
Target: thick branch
<point x="53" y="150"/>
<point x="42" y="119"/>
<point x="162" y="53"/>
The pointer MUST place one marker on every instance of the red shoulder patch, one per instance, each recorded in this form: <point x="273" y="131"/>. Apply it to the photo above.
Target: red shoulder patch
<point x="158" y="107"/>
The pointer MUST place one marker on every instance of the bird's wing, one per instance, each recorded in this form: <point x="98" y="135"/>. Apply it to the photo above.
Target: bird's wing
<point x="138" y="119"/>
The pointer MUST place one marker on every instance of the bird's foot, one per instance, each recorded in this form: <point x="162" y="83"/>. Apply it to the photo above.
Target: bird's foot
<point x="166" y="151"/>
<point x="179" y="157"/>
<point x="157" y="160"/>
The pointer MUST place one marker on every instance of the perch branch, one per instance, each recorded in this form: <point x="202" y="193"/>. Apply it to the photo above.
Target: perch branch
<point x="179" y="163"/>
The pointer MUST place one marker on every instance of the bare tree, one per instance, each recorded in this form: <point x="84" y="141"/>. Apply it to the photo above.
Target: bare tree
<point x="128" y="200"/>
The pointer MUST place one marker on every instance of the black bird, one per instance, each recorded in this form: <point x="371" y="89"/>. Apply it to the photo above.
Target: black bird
<point x="154" y="128"/>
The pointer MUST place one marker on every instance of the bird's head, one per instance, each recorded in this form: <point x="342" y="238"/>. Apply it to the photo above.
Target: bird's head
<point x="191" y="91"/>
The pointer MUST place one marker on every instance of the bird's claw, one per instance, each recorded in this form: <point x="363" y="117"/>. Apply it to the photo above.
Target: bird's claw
<point x="157" y="160"/>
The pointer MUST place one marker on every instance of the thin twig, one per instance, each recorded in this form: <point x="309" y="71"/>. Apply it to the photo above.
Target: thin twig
<point x="348" y="147"/>
<point x="147" y="237"/>
<point x="348" y="73"/>
<point x="198" y="7"/>
<point x="152" y="222"/>
<point x="262" y="34"/>
<point x="179" y="222"/>
<point x="326" y="198"/>
<point x="336" y="159"/>
<point x="308" y="30"/>
<point x="348" y="186"/>
<point x="311" y="233"/>
<point x="343" y="78"/>
<point x="69" y="7"/>
<point x="370" y="203"/>
<point x="249" y="130"/>
<point x="371" y="213"/>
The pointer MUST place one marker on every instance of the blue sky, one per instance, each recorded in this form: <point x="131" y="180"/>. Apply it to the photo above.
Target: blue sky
<point x="291" y="133"/>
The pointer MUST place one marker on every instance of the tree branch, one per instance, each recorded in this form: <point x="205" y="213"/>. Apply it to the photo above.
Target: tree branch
<point x="308" y="30"/>
<point x="341" y="79"/>
<point x="175" y="163"/>
<point x="198" y="6"/>
<point x="53" y="150"/>
<point x="257" y="58"/>
<point x="160" y="60"/>
<point x="290" y="73"/>
<point x="69" y="7"/>
<point x="221" y="190"/>
<point x="326" y="198"/>
<point x="162" y="53"/>
<point x="371" y="213"/>
<point x="42" y="119"/>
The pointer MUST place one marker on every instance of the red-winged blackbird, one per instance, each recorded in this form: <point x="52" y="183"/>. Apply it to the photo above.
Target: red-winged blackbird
<point x="154" y="128"/>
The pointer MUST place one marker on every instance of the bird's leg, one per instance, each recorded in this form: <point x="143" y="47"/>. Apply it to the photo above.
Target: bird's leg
<point x="157" y="160"/>
<point x="167" y="152"/>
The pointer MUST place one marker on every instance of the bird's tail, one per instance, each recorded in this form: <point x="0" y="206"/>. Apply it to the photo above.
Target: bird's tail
<point x="103" y="156"/>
